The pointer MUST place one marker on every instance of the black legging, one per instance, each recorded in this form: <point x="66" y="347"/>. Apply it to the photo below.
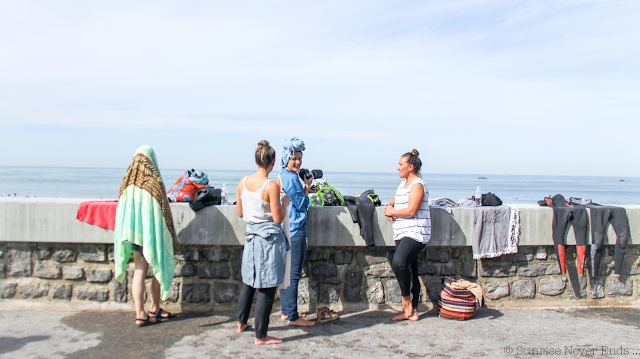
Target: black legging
<point x="600" y="216"/>
<point x="264" y="303"/>
<point x="405" y="267"/>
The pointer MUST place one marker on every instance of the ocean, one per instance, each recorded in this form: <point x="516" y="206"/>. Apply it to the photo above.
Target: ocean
<point x="104" y="183"/>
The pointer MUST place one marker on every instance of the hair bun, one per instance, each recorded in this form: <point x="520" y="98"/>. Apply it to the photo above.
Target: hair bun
<point x="265" y="154"/>
<point x="415" y="152"/>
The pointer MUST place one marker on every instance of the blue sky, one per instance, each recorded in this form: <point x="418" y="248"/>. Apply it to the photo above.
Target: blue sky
<point x="506" y="87"/>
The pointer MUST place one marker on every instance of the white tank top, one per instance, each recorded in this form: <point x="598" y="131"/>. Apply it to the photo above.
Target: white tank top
<point x="254" y="208"/>
<point x="417" y="227"/>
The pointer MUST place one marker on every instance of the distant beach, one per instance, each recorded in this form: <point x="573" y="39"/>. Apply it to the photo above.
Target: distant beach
<point x="104" y="183"/>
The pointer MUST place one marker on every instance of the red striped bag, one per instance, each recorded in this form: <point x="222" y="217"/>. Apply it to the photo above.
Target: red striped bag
<point x="458" y="304"/>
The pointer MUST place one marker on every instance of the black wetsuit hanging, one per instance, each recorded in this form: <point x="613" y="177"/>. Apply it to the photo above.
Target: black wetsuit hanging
<point x="600" y="217"/>
<point x="362" y="209"/>
<point x="562" y="214"/>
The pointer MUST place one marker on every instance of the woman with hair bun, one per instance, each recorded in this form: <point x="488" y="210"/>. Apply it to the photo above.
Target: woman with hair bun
<point x="409" y="212"/>
<point x="265" y="247"/>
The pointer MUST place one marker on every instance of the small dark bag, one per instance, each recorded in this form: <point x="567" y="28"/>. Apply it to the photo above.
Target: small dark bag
<point x="206" y="197"/>
<point x="490" y="199"/>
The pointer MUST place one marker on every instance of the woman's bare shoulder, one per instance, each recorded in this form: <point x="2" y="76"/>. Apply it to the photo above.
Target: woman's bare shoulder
<point x="271" y="185"/>
<point x="418" y="184"/>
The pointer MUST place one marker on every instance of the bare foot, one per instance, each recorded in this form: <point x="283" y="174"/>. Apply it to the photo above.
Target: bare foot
<point x="414" y="317"/>
<point x="300" y="323"/>
<point x="407" y="306"/>
<point x="242" y="328"/>
<point x="268" y="340"/>
<point x="285" y="317"/>
<point x="400" y="317"/>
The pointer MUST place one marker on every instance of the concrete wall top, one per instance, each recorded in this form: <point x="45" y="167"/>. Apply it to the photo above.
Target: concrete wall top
<point x="54" y="220"/>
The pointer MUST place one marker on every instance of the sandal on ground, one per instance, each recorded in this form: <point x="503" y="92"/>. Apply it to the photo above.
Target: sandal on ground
<point x="145" y="322"/>
<point x="158" y="314"/>
<point x="325" y="314"/>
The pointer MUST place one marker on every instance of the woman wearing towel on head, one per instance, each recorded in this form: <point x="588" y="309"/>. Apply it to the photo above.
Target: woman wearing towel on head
<point x="409" y="212"/>
<point x="144" y="228"/>
<point x="291" y="162"/>
<point x="265" y="247"/>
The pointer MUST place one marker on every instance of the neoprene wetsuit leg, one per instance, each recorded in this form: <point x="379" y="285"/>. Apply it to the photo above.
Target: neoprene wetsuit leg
<point x="600" y="217"/>
<point x="620" y="223"/>
<point x="562" y="214"/>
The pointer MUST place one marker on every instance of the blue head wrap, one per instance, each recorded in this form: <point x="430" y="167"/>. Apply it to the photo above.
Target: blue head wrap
<point x="290" y="147"/>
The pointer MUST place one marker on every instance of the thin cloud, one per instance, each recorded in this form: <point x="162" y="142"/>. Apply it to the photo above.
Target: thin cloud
<point x="364" y="69"/>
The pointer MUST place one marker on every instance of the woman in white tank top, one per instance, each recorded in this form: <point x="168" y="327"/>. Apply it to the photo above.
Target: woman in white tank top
<point x="265" y="247"/>
<point x="409" y="212"/>
<point x="254" y="208"/>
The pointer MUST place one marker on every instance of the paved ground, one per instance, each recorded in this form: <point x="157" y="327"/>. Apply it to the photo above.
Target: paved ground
<point x="504" y="333"/>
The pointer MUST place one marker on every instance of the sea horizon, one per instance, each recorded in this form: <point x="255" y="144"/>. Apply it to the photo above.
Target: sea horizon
<point x="104" y="183"/>
<point x="353" y="172"/>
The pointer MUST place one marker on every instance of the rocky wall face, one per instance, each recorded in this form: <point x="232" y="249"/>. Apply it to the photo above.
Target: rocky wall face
<point x="208" y="277"/>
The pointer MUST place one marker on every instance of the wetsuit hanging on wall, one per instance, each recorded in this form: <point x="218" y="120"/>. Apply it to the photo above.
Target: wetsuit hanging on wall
<point x="562" y="214"/>
<point x="362" y="209"/>
<point x="600" y="217"/>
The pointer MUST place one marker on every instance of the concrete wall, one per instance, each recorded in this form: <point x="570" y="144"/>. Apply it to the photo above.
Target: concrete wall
<point x="48" y="259"/>
<point x="54" y="220"/>
<point x="80" y="277"/>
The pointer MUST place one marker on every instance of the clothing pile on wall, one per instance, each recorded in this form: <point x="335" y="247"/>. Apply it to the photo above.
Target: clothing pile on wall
<point x="496" y="227"/>
<point x="488" y="199"/>
<point x="574" y="210"/>
<point x="443" y="203"/>
<point x="186" y="187"/>
<point x="193" y="187"/>
<point x="361" y="207"/>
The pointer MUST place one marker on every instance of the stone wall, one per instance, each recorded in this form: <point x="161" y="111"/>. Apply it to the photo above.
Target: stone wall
<point x="72" y="276"/>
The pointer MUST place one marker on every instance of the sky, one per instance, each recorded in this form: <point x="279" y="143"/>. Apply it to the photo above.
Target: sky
<point x="476" y="86"/>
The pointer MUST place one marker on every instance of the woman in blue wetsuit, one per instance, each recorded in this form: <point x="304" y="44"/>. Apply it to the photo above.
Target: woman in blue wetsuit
<point x="299" y="202"/>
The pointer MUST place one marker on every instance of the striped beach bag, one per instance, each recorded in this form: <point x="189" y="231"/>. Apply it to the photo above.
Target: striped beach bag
<point x="457" y="303"/>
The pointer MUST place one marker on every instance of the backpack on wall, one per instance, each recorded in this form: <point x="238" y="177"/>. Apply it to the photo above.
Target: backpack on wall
<point x="490" y="199"/>
<point x="206" y="197"/>
<point x="326" y="196"/>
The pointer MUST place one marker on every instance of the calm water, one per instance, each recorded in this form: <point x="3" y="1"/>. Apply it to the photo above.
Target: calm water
<point x="105" y="183"/>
